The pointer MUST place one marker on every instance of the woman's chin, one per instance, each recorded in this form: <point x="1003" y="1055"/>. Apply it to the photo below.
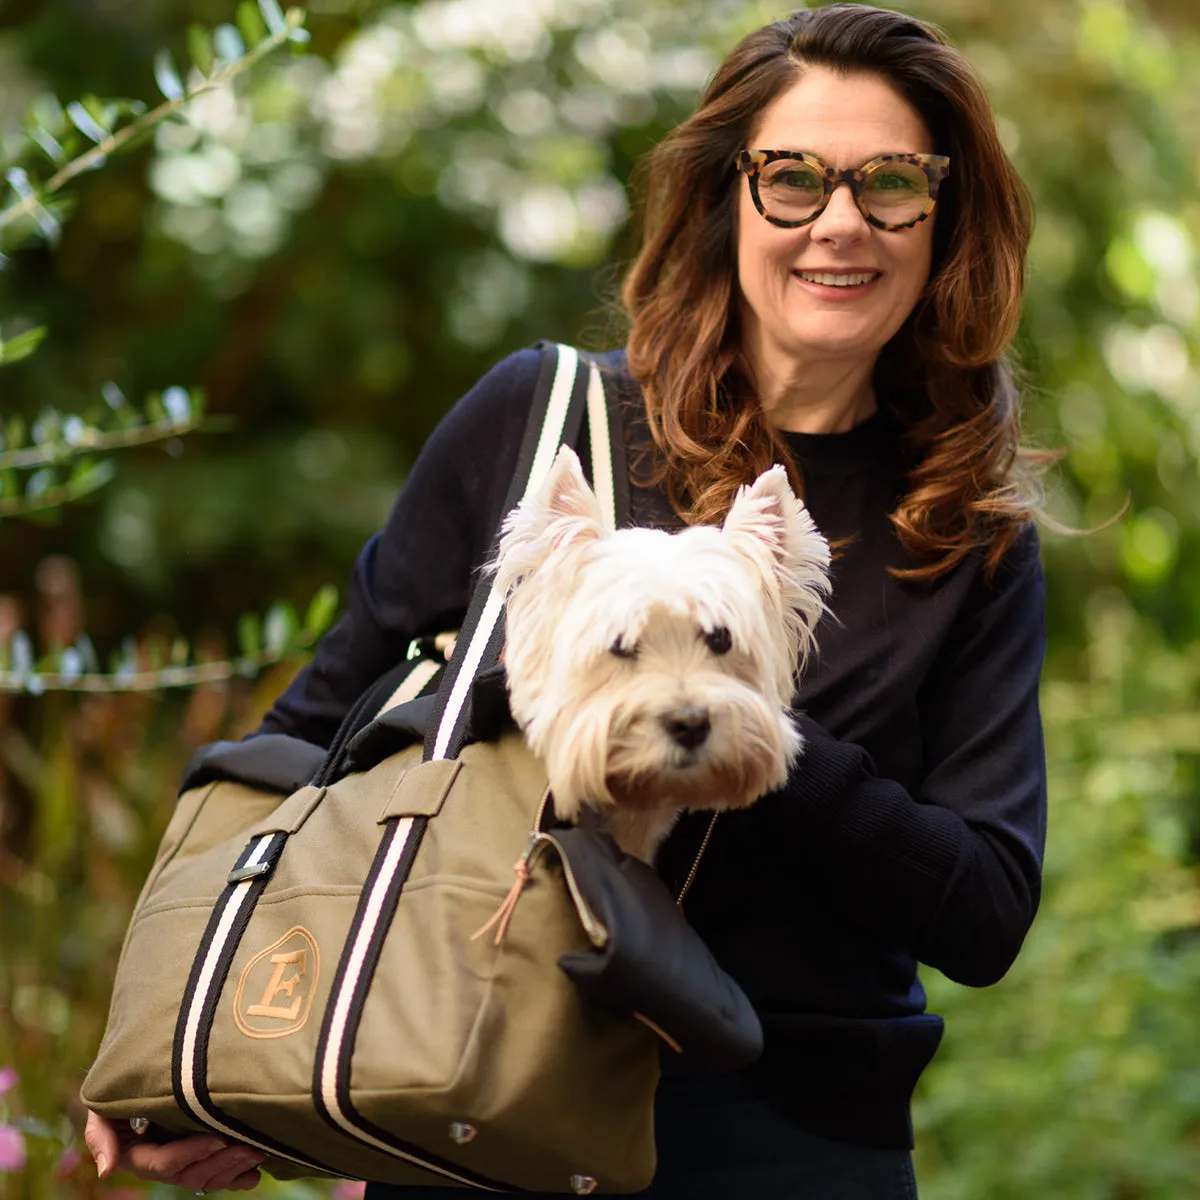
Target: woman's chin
<point x="833" y="340"/>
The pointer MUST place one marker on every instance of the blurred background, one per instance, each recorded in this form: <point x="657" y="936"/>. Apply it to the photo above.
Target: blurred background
<point x="334" y="248"/>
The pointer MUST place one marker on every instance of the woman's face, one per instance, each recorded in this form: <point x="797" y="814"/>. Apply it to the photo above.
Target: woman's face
<point x="789" y="318"/>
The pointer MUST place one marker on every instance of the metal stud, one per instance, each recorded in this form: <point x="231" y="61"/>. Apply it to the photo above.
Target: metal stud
<point x="583" y="1185"/>
<point x="462" y="1133"/>
<point x="139" y="1125"/>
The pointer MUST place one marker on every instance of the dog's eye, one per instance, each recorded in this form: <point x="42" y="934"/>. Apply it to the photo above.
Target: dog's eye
<point x="623" y="651"/>
<point x="719" y="641"/>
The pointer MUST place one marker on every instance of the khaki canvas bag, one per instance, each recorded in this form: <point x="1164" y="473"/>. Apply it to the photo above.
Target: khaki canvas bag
<point x="303" y="971"/>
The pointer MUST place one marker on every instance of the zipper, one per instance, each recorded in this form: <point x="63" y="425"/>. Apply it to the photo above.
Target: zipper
<point x="687" y="883"/>
<point x="592" y="925"/>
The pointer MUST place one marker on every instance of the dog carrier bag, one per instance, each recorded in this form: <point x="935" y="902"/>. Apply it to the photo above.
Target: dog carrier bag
<point x="303" y="971"/>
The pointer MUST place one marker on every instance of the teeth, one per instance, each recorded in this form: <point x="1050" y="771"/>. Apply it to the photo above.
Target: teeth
<point x="836" y="280"/>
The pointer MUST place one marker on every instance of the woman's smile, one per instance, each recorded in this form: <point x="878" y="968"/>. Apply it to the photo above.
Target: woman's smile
<point x="838" y="284"/>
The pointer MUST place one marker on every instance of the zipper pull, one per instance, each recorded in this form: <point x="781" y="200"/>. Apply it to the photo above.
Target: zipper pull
<point x="501" y="917"/>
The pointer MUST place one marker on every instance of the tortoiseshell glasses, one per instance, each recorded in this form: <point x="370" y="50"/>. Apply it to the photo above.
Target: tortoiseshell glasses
<point x="893" y="191"/>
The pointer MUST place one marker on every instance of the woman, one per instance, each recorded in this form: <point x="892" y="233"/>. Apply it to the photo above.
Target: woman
<point x="830" y="277"/>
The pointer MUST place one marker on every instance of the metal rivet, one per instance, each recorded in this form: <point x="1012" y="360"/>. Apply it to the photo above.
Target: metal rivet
<point x="583" y="1185"/>
<point x="462" y="1133"/>
<point x="139" y="1125"/>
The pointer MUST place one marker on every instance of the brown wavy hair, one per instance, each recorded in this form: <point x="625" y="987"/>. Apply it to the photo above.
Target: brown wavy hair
<point x="951" y="387"/>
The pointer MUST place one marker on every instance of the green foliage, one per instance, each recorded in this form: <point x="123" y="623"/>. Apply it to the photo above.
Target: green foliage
<point x="58" y="449"/>
<point x="106" y="126"/>
<point x="337" y="247"/>
<point x="155" y="666"/>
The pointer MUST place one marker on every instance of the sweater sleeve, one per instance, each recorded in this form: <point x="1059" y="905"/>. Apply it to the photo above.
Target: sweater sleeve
<point x="414" y="577"/>
<point x="953" y="872"/>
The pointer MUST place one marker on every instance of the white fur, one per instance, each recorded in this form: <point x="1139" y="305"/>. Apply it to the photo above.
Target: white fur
<point x="600" y="720"/>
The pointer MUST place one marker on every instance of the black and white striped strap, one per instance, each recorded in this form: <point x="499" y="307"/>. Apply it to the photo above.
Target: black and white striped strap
<point x="202" y="994"/>
<point x="568" y="387"/>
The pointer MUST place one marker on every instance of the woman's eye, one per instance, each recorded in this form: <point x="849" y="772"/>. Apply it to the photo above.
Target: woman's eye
<point x="796" y="181"/>
<point x="621" y="650"/>
<point x="718" y="640"/>
<point x="892" y="182"/>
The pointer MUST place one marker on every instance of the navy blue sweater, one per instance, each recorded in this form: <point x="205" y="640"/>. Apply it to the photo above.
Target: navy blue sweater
<point x="911" y="829"/>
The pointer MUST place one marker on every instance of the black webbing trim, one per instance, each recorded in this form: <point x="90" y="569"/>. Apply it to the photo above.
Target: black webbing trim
<point x="616" y="439"/>
<point x="189" y="991"/>
<point x="209" y="1111"/>
<point x="225" y="961"/>
<point x="362" y="986"/>
<point x="547" y="370"/>
<point x="387" y="913"/>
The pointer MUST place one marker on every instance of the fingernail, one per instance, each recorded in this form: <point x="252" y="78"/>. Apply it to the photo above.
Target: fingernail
<point x="101" y="1165"/>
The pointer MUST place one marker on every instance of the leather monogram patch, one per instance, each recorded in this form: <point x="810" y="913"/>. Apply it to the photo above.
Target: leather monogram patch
<point x="275" y="991"/>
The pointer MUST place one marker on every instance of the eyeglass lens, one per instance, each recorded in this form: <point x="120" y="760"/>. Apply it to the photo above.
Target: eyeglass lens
<point x="893" y="192"/>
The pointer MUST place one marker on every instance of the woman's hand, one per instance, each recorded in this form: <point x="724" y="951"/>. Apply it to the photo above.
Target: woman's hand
<point x="202" y="1163"/>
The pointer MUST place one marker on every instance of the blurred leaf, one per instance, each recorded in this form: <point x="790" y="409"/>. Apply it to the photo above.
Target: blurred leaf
<point x="250" y="23"/>
<point x="39" y="483"/>
<point x="249" y="635"/>
<point x="23" y="345"/>
<point x="177" y="405"/>
<point x="18" y="178"/>
<point x="87" y="653"/>
<point x="322" y="608"/>
<point x="70" y="664"/>
<point x="167" y="77"/>
<point x="279" y="628"/>
<point x="126" y="665"/>
<point x="272" y="15"/>
<point x="89" y="475"/>
<point x="104" y="115"/>
<point x="228" y="44"/>
<point x="85" y="122"/>
<point x="48" y="143"/>
<point x="200" y="48"/>
<point x="20" y="653"/>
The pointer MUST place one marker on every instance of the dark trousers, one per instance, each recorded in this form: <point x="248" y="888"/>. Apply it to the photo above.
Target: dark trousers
<point x="718" y="1141"/>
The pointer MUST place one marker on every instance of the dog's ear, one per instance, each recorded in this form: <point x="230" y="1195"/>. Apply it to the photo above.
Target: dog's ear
<point x="563" y="511"/>
<point x="770" y="526"/>
<point x="566" y="496"/>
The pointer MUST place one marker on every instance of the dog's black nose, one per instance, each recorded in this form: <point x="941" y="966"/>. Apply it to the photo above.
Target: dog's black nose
<point x="688" y="727"/>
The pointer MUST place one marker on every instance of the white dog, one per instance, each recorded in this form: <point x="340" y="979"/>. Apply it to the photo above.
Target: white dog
<point x="654" y="672"/>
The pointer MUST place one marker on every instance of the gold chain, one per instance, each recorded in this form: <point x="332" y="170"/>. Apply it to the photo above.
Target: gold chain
<point x="696" y="865"/>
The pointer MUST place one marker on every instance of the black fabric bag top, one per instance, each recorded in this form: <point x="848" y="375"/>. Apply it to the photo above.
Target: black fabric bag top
<point x="654" y="963"/>
<point x="274" y="762"/>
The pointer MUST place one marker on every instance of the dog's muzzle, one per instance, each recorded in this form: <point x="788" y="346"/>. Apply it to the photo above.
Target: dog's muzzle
<point x="687" y="727"/>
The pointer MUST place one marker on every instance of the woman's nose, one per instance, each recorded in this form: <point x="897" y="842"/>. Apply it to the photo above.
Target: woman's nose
<point x="842" y="221"/>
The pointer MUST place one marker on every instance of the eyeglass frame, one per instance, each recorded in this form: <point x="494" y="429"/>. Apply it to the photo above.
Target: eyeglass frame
<point x="750" y="162"/>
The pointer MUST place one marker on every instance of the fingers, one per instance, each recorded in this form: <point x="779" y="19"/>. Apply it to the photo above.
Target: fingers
<point x="245" y="1183"/>
<point x="101" y="1140"/>
<point x="220" y="1171"/>
<point x="200" y="1163"/>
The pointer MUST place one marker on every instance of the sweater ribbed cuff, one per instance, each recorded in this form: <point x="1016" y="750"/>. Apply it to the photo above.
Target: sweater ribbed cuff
<point x="827" y="768"/>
